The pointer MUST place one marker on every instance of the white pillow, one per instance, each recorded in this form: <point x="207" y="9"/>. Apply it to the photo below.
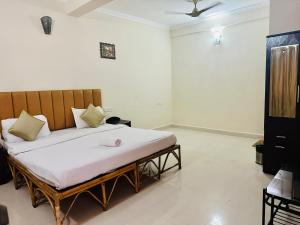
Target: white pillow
<point x="6" y="124"/>
<point x="80" y="123"/>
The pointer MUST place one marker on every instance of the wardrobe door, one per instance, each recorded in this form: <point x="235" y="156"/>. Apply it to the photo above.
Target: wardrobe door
<point x="283" y="94"/>
<point x="282" y="108"/>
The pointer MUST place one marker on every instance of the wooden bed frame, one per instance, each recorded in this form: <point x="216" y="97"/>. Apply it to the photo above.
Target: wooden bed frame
<point x="56" y="106"/>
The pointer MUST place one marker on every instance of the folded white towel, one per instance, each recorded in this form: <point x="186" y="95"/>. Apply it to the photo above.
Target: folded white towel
<point x="111" y="142"/>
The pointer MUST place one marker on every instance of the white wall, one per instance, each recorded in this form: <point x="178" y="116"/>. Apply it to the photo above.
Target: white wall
<point x="213" y="87"/>
<point x="221" y="87"/>
<point x="284" y="16"/>
<point x="137" y="85"/>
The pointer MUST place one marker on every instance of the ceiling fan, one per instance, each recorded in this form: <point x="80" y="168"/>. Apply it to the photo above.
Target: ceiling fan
<point x="196" y="12"/>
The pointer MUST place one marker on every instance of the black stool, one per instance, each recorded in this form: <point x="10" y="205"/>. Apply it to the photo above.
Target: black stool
<point x="3" y="215"/>
<point x="5" y="175"/>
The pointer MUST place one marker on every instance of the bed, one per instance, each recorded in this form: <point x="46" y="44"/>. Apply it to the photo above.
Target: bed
<point x="72" y="161"/>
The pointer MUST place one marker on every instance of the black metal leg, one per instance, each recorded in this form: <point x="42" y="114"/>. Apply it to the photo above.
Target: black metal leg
<point x="159" y="167"/>
<point x="272" y="211"/>
<point x="264" y="208"/>
<point x="179" y="156"/>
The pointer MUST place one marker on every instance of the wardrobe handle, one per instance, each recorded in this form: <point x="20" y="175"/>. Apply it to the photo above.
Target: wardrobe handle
<point x="281" y="137"/>
<point x="279" y="147"/>
<point x="298" y="94"/>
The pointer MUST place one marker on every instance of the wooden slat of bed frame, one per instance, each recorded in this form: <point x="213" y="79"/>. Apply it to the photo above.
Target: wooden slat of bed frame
<point x="33" y="103"/>
<point x="88" y="98"/>
<point x="78" y="99"/>
<point x="6" y="106"/>
<point x="19" y="103"/>
<point x="58" y="110"/>
<point x="68" y="104"/>
<point x="47" y="107"/>
<point x="97" y="97"/>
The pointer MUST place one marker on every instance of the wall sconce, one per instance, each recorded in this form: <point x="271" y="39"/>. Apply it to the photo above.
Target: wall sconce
<point x="47" y="24"/>
<point x="217" y="33"/>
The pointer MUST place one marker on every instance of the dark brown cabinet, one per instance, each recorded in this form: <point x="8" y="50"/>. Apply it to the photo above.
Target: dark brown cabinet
<point x="282" y="115"/>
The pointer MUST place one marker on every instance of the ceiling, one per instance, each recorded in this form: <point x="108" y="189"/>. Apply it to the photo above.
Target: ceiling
<point x="157" y="11"/>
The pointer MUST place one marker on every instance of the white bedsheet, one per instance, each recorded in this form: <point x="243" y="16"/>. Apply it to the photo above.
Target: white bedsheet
<point x="72" y="156"/>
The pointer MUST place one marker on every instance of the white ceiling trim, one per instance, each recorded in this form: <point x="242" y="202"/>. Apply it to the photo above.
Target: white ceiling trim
<point x="132" y="18"/>
<point x="219" y="14"/>
<point x="227" y="26"/>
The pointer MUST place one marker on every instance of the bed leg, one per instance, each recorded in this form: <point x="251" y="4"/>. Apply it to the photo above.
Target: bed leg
<point x="159" y="167"/>
<point x="57" y="212"/>
<point x="136" y="179"/>
<point x="32" y="194"/>
<point x="14" y="176"/>
<point x="104" y="198"/>
<point x="179" y="156"/>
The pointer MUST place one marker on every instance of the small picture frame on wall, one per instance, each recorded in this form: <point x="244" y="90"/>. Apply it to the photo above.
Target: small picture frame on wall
<point x="107" y="51"/>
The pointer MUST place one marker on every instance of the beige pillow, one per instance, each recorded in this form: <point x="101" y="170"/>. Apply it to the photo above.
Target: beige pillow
<point x="26" y="127"/>
<point x="92" y="116"/>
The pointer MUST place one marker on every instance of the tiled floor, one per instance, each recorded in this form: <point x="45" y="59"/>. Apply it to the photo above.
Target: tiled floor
<point x="219" y="185"/>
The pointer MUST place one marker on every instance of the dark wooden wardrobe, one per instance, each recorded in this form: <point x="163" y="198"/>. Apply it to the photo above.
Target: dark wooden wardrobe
<point x="282" y="115"/>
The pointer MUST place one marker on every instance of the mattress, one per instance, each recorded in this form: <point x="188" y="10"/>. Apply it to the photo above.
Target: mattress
<point x="72" y="156"/>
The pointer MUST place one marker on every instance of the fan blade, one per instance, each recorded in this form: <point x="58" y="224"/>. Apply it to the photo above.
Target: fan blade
<point x="174" y="13"/>
<point x="210" y="7"/>
<point x="194" y="1"/>
<point x="190" y="14"/>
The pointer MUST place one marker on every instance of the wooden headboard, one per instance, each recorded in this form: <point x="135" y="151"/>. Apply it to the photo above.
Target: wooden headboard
<point x="54" y="104"/>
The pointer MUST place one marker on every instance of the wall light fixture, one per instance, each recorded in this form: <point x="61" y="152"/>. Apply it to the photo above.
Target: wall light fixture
<point x="47" y="24"/>
<point x="218" y="34"/>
